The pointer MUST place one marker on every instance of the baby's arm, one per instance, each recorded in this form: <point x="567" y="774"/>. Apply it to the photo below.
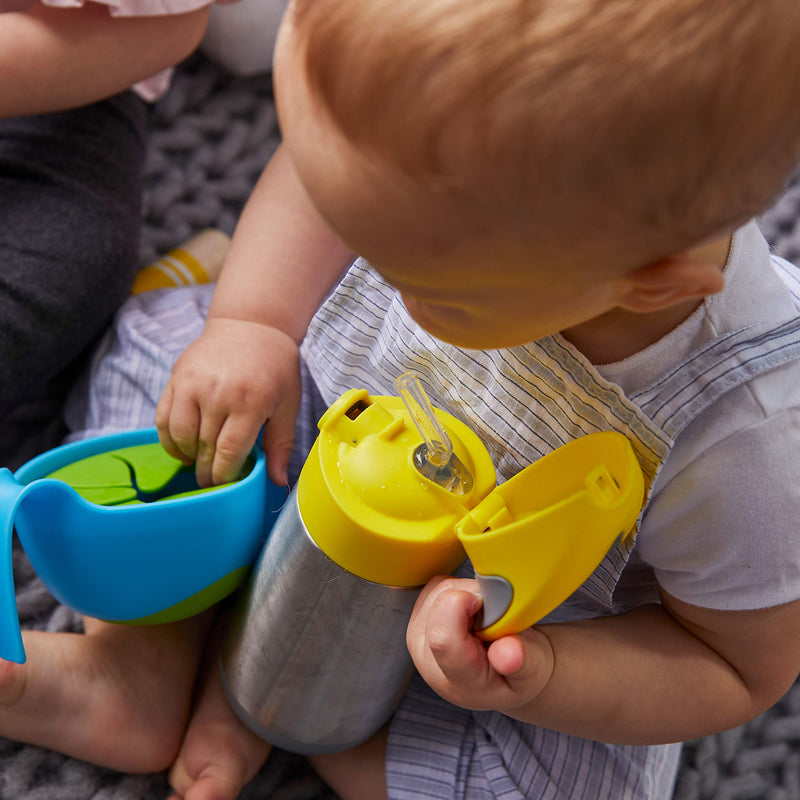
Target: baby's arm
<point x="656" y="674"/>
<point x="244" y="369"/>
<point x="57" y="58"/>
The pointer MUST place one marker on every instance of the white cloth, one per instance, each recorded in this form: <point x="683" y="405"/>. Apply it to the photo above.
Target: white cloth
<point x="737" y="548"/>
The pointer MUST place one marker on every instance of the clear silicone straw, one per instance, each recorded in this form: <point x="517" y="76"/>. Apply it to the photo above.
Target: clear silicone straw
<point x="437" y="442"/>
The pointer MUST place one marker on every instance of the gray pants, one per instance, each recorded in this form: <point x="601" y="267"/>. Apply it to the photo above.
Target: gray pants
<point x="70" y="211"/>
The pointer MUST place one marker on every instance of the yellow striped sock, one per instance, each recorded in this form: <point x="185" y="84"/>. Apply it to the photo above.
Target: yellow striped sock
<point x="198" y="260"/>
<point x="176" y="268"/>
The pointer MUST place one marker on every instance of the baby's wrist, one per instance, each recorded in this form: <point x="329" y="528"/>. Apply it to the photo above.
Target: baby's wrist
<point x="255" y="327"/>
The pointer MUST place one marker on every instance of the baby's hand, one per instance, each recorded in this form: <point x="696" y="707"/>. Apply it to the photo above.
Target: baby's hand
<point x="460" y="667"/>
<point x="223" y="388"/>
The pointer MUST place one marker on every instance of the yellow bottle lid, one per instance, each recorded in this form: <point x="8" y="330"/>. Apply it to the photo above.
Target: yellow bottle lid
<point x="542" y="533"/>
<point x="369" y="508"/>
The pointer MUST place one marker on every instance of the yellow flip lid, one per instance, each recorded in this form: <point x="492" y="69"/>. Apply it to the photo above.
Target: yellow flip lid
<point x="536" y="538"/>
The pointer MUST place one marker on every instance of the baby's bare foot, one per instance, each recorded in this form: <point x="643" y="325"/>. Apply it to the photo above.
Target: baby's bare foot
<point x="219" y="755"/>
<point x="116" y="696"/>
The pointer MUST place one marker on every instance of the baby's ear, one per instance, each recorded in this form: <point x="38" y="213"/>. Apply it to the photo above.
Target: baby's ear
<point x="667" y="282"/>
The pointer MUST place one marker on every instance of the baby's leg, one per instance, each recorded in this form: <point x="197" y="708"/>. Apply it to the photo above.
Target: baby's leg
<point x="117" y="696"/>
<point x="219" y="755"/>
<point x="359" y="773"/>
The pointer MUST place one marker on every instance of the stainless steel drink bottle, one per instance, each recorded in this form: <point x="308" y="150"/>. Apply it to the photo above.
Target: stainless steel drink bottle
<point x="315" y="657"/>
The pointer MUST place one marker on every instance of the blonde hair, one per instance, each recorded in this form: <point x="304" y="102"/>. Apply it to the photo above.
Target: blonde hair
<point x="665" y="121"/>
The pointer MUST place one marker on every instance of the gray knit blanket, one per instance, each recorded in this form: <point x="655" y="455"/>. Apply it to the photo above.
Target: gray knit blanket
<point x="211" y="136"/>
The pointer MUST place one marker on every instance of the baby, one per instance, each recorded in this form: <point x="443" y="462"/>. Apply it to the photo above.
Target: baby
<point x="568" y="186"/>
<point x="555" y="202"/>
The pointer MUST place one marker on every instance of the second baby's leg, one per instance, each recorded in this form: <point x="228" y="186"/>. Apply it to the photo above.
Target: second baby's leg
<point x="116" y="696"/>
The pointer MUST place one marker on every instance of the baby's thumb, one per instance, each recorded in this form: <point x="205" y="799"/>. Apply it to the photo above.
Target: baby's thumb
<point x="525" y="660"/>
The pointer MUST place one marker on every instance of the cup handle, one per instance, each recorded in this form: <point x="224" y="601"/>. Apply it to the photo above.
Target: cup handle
<point x="11" y="647"/>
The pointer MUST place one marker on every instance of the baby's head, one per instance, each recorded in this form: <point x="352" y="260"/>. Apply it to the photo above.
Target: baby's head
<point x="591" y="136"/>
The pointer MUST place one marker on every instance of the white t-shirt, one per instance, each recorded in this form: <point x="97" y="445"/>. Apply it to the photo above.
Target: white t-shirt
<point x="750" y="438"/>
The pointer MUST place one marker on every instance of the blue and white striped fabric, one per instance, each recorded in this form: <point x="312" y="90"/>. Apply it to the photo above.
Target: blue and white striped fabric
<point x="437" y="750"/>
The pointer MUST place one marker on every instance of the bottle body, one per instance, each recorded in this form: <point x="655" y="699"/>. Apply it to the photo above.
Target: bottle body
<point x="315" y="658"/>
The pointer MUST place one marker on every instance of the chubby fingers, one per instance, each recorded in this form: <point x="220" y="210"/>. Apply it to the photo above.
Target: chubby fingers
<point x="178" y="423"/>
<point x="279" y="439"/>
<point x="448" y="656"/>
<point x="505" y="675"/>
<point x="215" y="439"/>
<point x="525" y="660"/>
<point x="224" y="444"/>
